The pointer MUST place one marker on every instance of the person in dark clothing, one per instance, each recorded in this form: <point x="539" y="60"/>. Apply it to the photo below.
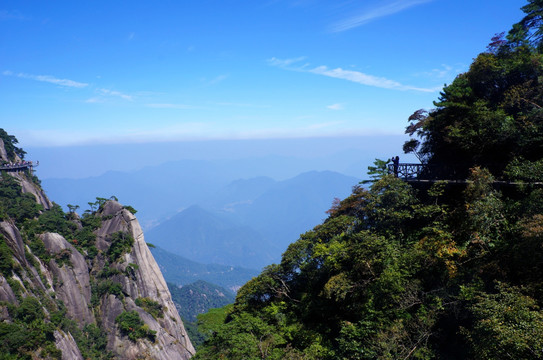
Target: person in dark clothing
<point x="396" y="163"/>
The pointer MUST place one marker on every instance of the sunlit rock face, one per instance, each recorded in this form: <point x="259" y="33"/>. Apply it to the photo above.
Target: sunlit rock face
<point x="65" y="275"/>
<point x="144" y="281"/>
<point x="72" y="281"/>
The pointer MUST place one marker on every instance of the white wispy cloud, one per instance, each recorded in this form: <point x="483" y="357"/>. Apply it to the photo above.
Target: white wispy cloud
<point x="284" y="62"/>
<point x="364" y="79"/>
<point x="349" y="75"/>
<point x="335" y="107"/>
<point x="109" y="92"/>
<point x="103" y="94"/>
<point x="48" y="79"/>
<point x="383" y="10"/>
<point x="94" y="100"/>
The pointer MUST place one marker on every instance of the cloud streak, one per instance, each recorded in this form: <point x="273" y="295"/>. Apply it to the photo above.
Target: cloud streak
<point x="48" y="79"/>
<point x="349" y="75"/>
<point x="375" y="13"/>
<point x="335" y="107"/>
<point x="115" y="94"/>
<point x="284" y="62"/>
<point x="364" y="79"/>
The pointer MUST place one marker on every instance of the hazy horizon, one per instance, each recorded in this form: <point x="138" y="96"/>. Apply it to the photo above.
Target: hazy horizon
<point x="331" y="153"/>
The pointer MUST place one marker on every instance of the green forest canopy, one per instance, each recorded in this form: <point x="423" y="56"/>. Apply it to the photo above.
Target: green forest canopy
<point x="422" y="271"/>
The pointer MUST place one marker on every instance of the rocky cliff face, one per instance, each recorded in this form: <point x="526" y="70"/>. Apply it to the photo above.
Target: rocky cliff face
<point x="142" y="281"/>
<point x="90" y="284"/>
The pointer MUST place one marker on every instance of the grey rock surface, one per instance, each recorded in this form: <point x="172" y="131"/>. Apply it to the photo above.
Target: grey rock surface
<point x="172" y="341"/>
<point x="31" y="188"/>
<point x="66" y="343"/>
<point x="6" y="294"/>
<point x="14" y="240"/>
<point x="68" y="275"/>
<point x="73" y="281"/>
<point x="3" y="153"/>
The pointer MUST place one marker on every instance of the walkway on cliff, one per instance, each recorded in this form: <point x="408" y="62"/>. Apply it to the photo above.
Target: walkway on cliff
<point x="415" y="173"/>
<point x="18" y="166"/>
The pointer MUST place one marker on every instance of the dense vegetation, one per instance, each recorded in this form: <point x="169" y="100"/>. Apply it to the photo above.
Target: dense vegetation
<point x="179" y="270"/>
<point x="15" y="205"/>
<point x="197" y="298"/>
<point x="427" y="270"/>
<point x="28" y="332"/>
<point x="132" y="326"/>
<point x="10" y="144"/>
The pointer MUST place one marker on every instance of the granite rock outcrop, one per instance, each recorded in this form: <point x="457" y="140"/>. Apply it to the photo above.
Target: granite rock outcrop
<point x="89" y="277"/>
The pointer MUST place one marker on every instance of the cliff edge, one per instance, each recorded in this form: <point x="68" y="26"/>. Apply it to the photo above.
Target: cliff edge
<point x="76" y="287"/>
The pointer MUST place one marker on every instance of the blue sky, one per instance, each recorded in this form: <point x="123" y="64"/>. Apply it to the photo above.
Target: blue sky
<point x="86" y="72"/>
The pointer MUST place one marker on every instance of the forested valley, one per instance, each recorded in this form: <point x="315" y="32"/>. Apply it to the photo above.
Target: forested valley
<point x="446" y="268"/>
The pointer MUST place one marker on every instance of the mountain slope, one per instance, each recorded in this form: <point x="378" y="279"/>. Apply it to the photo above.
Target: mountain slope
<point x="237" y="193"/>
<point x="75" y="288"/>
<point x="208" y="238"/>
<point x="198" y="298"/>
<point x="292" y="206"/>
<point x="253" y="221"/>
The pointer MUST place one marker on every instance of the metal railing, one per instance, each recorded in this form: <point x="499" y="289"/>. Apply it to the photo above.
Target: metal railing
<point x="406" y="170"/>
<point x="18" y="166"/>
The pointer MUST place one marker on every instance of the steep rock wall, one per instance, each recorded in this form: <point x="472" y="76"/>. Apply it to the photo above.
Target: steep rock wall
<point x="82" y="286"/>
<point x="143" y="281"/>
<point x="66" y="344"/>
<point x="72" y="279"/>
<point x="68" y="276"/>
<point x="31" y="188"/>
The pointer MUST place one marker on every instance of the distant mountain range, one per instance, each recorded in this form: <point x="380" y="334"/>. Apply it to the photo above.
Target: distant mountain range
<point x="251" y="222"/>
<point x="291" y="207"/>
<point x="209" y="238"/>
<point x="160" y="191"/>
<point x="228" y="212"/>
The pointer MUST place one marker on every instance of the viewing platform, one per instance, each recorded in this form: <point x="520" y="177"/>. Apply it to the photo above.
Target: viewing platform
<point x="406" y="171"/>
<point x="415" y="173"/>
<point x="18" y="166"/>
